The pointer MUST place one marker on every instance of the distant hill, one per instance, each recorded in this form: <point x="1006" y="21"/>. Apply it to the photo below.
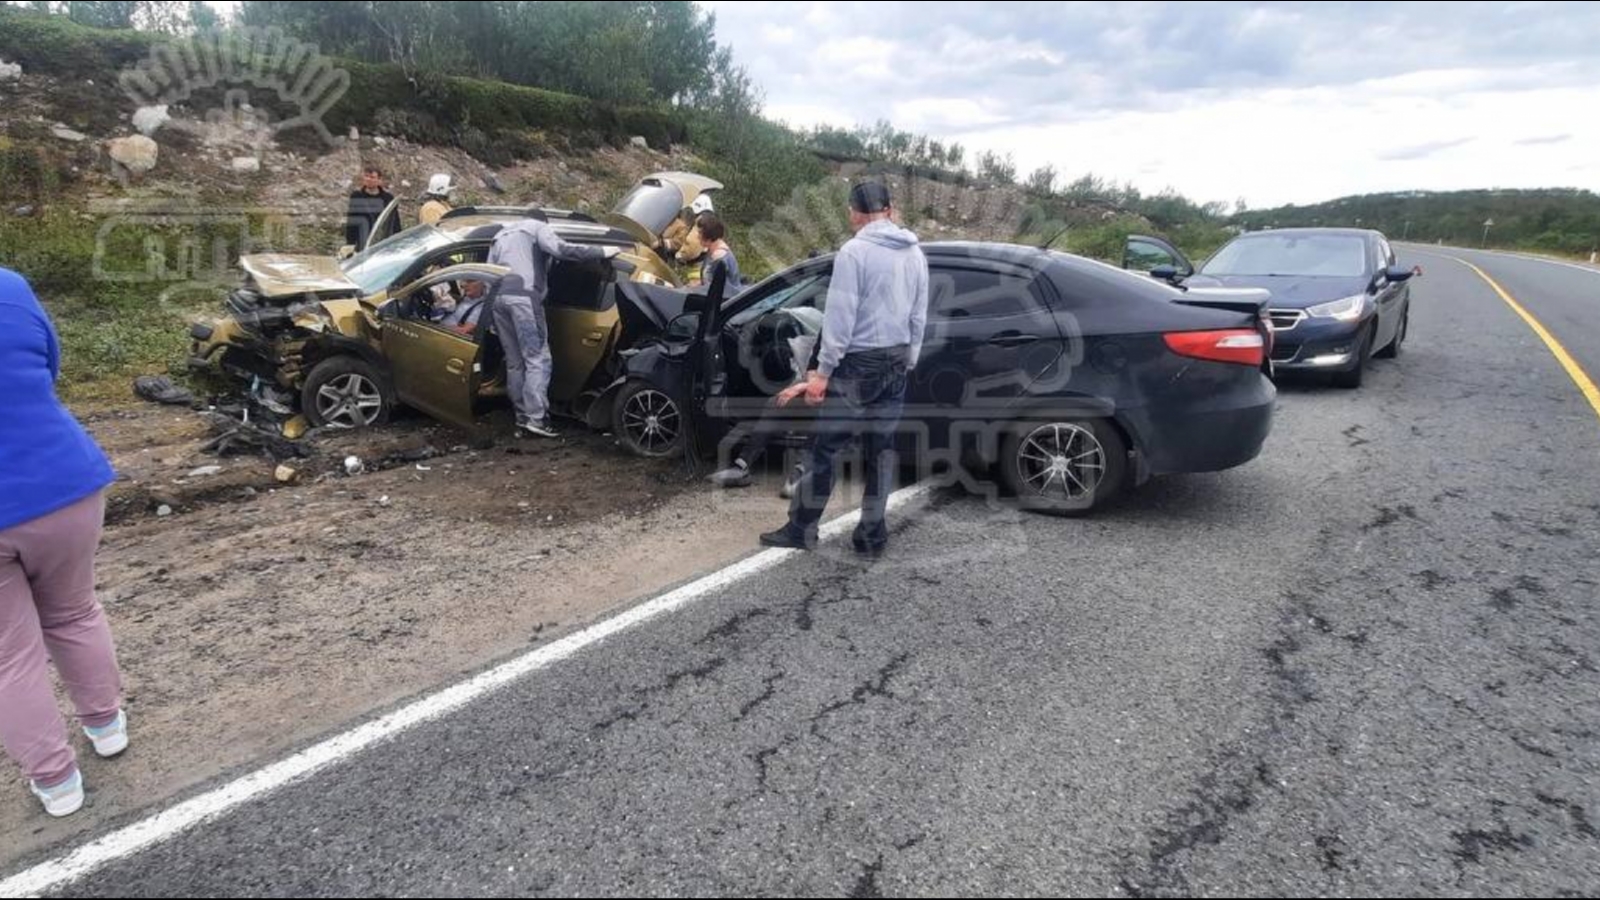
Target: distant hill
<point x="1553" y="221"/>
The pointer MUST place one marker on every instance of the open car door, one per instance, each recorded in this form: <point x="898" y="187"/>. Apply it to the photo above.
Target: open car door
<point x="438" y="367"/>
<point x="1157" y="258"/>
<point x="387" y="225"/>
<point x="708" y="376"/>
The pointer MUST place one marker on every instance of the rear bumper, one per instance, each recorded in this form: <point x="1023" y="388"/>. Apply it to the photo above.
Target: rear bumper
<point x="1214" y="436"/>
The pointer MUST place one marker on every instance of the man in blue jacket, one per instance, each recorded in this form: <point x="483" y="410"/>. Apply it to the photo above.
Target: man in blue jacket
<point x="872" y="334"/>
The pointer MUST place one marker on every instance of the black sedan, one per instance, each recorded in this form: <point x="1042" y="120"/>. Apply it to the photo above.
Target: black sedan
<point x="1338" y="297"/>
<point x="1073" y="379"/>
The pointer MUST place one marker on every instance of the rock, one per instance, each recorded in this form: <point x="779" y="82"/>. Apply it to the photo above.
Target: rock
<point x="205" y="472"/>
<point x="287" y="475"/>
<point x="10" y="71"/>
<point x="64" y="133"/>
<point x="137" y="154"/>
<point x="23" y="212"/>
<point x="353" y="466"/>
<point x="493" y="183"/>
<point x="355" y="134"/>
<point x="246" y="164"/>
<point x="164" y="512"/>
<point x="150" y="119"/>
<point x="640" y="142"/>
<point x="381" y="141"/>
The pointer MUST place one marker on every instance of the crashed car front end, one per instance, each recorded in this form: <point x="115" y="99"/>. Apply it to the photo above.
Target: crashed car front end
<point x="271" y="339"/>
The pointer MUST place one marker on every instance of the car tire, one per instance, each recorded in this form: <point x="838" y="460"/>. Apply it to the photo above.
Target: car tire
<point x="1049" y="466"/>
<point x="346" y="393"/>
<point x="649" y="421"/>
<point x="1357" y="376"/>
<point x="1393" y="350"/>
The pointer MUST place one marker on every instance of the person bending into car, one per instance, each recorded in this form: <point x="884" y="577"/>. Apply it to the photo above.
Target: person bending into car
<point x="53" y="481"/>
<point x="527" y="248"/>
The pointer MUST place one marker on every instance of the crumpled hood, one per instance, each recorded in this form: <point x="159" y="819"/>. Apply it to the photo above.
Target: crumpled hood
<point x="888" y="234"/>
<point x="280" y="275"/>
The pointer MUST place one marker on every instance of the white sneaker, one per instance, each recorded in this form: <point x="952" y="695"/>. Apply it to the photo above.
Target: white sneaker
<point x="112" y="740"/>
<point x="62" y="800"/>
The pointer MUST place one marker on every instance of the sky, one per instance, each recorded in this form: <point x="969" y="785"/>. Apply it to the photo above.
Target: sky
<point x="1270" y="102"/>
<point x="1274" y="103"/>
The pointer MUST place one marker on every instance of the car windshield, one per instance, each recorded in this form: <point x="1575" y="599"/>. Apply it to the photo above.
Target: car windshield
<point x="381" y="265"/>
<point x="1292" y="256"/>
<point x="653" y="205"/>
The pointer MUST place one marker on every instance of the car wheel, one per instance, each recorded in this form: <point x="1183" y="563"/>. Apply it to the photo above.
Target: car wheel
<point x="1357" y="376"/>
<point x="1066" y="468"/>
<point x="649" y="421"/>
<point x="346" y="392"/>
<point x="1393" y="350"/>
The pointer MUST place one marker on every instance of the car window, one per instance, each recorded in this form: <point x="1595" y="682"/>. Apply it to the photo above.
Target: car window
<point x="1144" y="256"/>
<point x="962" y="292"/>
<point x="381" y="266"/>
<point x="809" y="290"/>
<point x="580" y="286"/>
<point x="1292" y="256"/>
<point x="1081" y="283"/>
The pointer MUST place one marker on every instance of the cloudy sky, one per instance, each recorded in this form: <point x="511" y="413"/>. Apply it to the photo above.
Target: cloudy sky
<point x="1273" y="102"/>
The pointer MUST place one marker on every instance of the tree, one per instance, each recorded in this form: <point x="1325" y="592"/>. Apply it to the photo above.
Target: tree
<point x="203" y="17"/>
<point x="104" y="13"/>
<point x="996" y="168"/>
<point x="1043" y="181"/>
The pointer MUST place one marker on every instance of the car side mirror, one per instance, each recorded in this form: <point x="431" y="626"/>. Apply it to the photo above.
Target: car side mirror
<point x="1169" y="273"/>
<point x="1399" y="274"/>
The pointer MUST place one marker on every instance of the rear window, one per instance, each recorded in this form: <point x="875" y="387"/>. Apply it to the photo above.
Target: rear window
<point x="1085" y="282"/>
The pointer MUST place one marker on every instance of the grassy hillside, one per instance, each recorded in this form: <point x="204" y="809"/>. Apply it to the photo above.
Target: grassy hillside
<point x="1563" y="222"/>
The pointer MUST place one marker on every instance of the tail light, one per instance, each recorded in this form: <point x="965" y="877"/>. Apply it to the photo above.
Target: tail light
<point x="1241" y="346"/>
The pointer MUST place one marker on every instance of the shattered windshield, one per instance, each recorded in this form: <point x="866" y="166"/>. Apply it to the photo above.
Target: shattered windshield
<point x="381" y="265"/>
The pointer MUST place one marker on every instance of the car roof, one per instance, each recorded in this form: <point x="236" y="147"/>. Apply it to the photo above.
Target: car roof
<point x="473" y="224"/>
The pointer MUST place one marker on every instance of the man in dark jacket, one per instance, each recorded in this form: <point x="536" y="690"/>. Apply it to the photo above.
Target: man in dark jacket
<point x="366" y="207"/>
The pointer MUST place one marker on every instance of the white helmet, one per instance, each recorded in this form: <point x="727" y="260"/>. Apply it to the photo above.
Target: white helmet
<point x="440" y="186"/>
<point x="702" y="205"/>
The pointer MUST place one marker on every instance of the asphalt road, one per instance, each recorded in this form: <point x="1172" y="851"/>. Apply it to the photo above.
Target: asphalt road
<point x="1366" y="665"/>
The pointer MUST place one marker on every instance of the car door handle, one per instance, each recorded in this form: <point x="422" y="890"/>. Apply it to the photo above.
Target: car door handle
<point x="1013" y="339"/>
<point x="456" y="366"/>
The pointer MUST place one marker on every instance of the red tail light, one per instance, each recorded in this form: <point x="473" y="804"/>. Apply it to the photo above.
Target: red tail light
<point x="1242" y="346"/>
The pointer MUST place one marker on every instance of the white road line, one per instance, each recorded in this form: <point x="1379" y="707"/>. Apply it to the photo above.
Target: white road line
<point x="166" y="825"/>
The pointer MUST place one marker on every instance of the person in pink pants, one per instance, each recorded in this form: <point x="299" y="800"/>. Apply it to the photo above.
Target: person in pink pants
<point x="53" y="480"/>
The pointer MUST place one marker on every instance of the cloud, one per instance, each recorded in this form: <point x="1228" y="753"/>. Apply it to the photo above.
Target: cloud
<point x="1549" y="141"/>
<point x="1423" y="151"/>
<point x="1277" y="101"/>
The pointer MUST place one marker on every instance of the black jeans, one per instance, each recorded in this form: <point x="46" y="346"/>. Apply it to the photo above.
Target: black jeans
<point x="866" y="398"/>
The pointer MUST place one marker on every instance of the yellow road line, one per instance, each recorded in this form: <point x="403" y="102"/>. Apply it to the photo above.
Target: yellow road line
<point x="1579" y="376"/>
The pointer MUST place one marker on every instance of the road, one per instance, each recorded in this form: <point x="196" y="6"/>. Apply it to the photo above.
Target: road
<point x="1366" y="665"/>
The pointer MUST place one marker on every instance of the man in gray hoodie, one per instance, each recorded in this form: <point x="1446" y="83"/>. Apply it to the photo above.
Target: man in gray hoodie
<point x="872" y="334"/>
<point x="527" y="249"/>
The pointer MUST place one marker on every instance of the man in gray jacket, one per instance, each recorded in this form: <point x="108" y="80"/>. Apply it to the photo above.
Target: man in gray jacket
<point x="872" y="334"/>
<point x="527" y="249"/>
